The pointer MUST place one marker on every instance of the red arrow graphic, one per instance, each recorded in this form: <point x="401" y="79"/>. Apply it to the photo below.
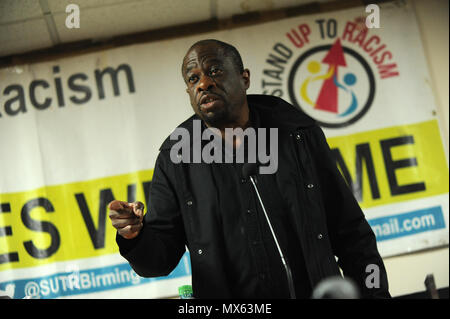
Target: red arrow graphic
<point x="328" y="96"/>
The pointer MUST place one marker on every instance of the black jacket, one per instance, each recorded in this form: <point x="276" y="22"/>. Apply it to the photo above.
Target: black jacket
<point x="328" y="220"/>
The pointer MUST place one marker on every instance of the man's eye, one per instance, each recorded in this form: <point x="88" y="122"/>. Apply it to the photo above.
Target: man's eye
<point x="215" y="71"/>
<point x="193" y="79"/>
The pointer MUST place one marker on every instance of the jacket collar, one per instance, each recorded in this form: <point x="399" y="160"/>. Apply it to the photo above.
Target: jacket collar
<point x="275" y="112"/>
<point x="271" y="111"/>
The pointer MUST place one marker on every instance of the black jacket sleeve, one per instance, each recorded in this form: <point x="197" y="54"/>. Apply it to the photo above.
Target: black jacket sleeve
<point x="352" y="238"/>
<point x="160" y="245"/>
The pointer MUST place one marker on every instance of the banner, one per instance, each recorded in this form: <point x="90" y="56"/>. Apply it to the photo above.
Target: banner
<point x="78" y="132"/>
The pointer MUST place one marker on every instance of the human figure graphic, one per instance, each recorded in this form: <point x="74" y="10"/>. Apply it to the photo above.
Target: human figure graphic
<point x="313" y="68"/>
<point x="349" y="80"/>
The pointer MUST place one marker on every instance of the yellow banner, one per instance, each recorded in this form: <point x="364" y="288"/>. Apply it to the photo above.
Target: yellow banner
<point x="70" y="221"/>
<point x="393" y="164"/>
<point x="64" y="222"/>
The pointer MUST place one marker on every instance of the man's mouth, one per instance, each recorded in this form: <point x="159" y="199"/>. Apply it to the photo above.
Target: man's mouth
<point x="209" y="101"/>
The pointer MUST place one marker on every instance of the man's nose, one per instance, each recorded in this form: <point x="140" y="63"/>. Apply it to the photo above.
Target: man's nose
<point x="205" y="84"/>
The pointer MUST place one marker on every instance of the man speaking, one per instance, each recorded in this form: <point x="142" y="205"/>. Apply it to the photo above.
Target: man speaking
<point x="250" y="235"/>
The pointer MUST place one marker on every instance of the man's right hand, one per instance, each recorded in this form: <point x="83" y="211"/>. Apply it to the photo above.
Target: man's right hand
<point x="126" y="217"/>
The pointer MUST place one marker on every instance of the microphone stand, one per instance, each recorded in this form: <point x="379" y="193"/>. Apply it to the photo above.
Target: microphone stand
<point x="283" y="260"/>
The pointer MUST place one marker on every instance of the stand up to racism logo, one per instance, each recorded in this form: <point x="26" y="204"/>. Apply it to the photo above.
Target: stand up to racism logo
<point x="335" y="83"/>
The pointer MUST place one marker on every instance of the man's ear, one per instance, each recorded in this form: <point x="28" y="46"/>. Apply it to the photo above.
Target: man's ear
<point x="246" y="77"/>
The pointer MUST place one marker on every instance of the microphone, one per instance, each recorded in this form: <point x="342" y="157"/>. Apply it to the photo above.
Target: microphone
<point x="431" y="286"/>
<point x="249" y="171"/>
<point x="335" y="288"/>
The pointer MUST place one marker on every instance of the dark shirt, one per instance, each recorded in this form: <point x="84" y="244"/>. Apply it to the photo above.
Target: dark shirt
<point x="253" y="262"/>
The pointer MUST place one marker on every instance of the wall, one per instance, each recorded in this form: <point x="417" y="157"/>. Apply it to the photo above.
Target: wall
<point x="407" y="273"/>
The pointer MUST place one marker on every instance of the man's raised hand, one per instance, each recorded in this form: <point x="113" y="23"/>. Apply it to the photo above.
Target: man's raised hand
<point x="126" y="217"/>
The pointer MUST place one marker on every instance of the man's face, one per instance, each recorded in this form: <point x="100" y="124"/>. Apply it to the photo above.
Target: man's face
<point x="216" y="88"/>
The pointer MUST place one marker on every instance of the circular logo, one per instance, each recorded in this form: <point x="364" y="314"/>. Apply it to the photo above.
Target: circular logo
<point x="332" y="84"/>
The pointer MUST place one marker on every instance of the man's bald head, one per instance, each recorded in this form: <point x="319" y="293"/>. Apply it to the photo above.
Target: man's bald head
<point x="227" y="50"/>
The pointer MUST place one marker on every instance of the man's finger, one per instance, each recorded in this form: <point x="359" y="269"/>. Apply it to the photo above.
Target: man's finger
<point x="121" y="223"/>
<point x="123" y="214"/>
<point x="120" y="209"/>
<point x="130" y="231"/>
<point x="120" y="206"/>
<point x="138" y="209"/>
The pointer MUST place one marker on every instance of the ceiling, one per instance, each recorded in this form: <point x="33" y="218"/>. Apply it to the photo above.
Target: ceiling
<point x="28" y="25"/>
